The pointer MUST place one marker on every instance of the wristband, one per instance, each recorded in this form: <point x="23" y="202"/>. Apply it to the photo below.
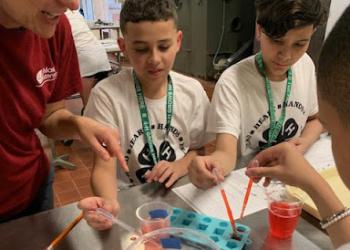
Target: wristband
<point x="335" y="218"/>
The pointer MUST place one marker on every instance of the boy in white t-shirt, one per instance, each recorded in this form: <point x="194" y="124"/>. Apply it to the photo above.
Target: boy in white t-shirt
<point x="150" y="105"/>
<point x="267" y="98"/>
<point x="282" y="162"/>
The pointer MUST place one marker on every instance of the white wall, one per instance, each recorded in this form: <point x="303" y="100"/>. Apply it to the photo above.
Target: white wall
<point x="337" y="8"/>
<point x="100" y="9"/>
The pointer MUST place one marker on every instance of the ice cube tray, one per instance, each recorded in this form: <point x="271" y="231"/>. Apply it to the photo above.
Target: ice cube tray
<point x="218" y="230"/>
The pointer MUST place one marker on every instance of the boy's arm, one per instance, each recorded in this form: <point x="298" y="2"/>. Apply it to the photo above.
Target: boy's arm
<point x="311" y="132"/>
<point x="226" y="152"/>
<point x="187" y="159"/>
<point x="223" y="159"/>
<point x="104" y="185"/>
<point x="104" y="178"/>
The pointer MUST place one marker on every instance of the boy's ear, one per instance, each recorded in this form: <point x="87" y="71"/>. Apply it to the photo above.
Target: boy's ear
<point x="121" y="43"/>
<point x="179" y="40"/>
<point x="258" y="31"/>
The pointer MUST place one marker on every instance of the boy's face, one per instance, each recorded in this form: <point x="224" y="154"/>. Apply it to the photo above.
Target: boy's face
<point x="280" y="54"/>
<point x="340" y="138"/>
<point x="151" y="48"/>
<point x="40" y="16"/>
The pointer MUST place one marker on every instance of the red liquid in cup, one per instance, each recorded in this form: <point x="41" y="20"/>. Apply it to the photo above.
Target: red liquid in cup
<point x="154" y="224"/>
<point x="153" y="246"/>
<point x="151" y="225"/>
<point x="283" y="219"/>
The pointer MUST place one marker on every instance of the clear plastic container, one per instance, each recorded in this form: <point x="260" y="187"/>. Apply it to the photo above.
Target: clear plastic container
<point x="173" y="238"/>
<point x="154" y="215"/>
<point x="284" y="210"/>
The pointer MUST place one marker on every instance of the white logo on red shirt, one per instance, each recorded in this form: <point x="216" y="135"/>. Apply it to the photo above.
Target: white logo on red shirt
<point x="45" y="75"/>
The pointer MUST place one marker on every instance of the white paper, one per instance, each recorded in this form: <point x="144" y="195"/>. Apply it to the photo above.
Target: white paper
<point x="210" y="202"/>
<point x="320" y="154"/>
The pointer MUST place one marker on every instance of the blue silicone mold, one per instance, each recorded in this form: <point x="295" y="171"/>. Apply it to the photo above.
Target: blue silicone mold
<point x="218" y="230"/>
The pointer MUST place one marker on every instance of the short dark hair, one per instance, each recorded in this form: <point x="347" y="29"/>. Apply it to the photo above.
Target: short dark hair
<point x="333" y="74"/>
<point x="147" y="10"/>
<point x="277" y="17"/>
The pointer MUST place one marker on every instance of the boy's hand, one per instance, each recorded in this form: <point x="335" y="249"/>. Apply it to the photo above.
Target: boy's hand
<point x="95" y="220"/>
<point x="301" y="144"/>
<point x="103" y="139"/>
<point x="201" y="172"/>
<point x="168" y="172"/>
<point x="285" y="163"/>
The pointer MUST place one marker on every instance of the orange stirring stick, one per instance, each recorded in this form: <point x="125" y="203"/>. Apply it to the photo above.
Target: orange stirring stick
<point x="255" y="163"/>
<point x="228" y="208"/>
<point x="246" y="197"/>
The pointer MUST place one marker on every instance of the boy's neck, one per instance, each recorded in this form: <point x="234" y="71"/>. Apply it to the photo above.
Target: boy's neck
<point x="270" y="75"/>
<point x="276" y="78"/>
<point x="154" y="89"/>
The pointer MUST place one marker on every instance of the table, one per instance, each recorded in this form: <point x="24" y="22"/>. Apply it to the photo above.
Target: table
<point x="37" y="231"/>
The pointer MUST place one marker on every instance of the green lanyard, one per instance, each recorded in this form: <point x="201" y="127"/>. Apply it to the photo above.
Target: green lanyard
<point x="275" y="126"/>
<point x="144" y="113"/>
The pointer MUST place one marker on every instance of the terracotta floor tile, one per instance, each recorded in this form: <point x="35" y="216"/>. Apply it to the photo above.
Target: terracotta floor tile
<point x="69" y="197"/>
<point x="86" y="157"/>
<point x="56" y="200"/>
<point x="79" y="173"/>
<point x="80" y="182"/>
<point x="62" y="175"/>
<point x="75" y="159"/>
<point x="85" y="191"/>
<point x="64" y="187"/>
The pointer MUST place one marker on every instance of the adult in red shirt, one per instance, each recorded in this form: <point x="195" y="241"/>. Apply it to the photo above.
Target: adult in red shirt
<point x="38" y="69"/>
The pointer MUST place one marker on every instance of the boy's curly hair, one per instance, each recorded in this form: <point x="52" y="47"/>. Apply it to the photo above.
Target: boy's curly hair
<point x="147" y="10"/>
<point x="277" y="17"/>
<point x="333" y="76"/>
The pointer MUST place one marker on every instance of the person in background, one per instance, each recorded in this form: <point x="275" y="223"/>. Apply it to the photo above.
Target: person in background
<point x="92" y="56"/>
<point x="161" y="114"/>
<point x="285" y="163"/>
<point x="269" y="97"/>
<point x="39" y="69"/>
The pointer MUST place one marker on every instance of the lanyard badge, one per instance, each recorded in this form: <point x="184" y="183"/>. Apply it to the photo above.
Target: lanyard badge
<point x="275" y="126"/>
<point x="145" y="118"/>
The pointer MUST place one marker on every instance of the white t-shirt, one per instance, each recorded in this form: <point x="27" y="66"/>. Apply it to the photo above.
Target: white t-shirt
<point x="344" y="247"/>
<point x="239" y="105"/>
<point x="114" y="102"/>
<point x="92" y="55"/>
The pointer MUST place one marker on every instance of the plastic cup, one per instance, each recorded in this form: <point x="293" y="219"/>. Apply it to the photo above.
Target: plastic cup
<point x="154" y="215"/>
<point x="284" y="210"/>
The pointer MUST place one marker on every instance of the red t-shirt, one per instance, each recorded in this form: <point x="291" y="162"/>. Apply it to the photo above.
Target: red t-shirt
<point x="33" y="72"/>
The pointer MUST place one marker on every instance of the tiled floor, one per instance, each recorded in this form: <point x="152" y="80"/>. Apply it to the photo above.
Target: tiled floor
<point x="73" y="185"/>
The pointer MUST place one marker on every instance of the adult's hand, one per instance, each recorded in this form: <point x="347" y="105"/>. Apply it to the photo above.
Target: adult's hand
<point x="104" y="140"/>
